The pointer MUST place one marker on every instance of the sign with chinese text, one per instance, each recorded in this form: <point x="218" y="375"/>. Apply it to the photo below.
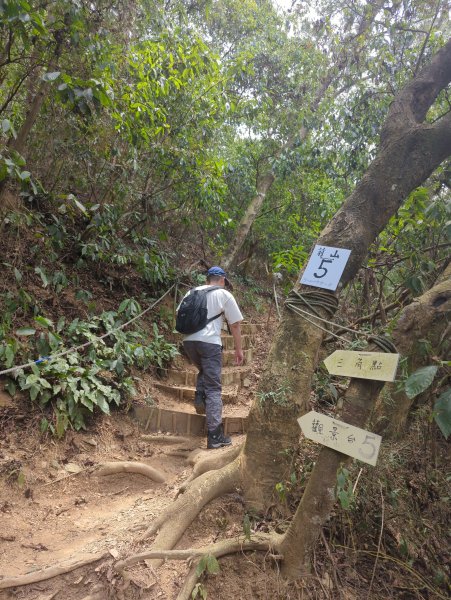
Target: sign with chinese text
<point x="325" y="267"/>
<point x="341" y="437"/>
<point x="380" y="366"/>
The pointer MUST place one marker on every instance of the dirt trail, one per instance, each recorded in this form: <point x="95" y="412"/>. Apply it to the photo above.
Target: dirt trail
<point x="54" y="506"/>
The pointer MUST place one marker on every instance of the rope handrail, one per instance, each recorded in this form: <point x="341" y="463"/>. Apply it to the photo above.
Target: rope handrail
<point x="96" y="339"/>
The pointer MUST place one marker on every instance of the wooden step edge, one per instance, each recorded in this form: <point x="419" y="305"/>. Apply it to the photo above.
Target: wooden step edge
<point x="229" y="376"/>
<point x="159" y="419"/>
<point x="229" y="394"/>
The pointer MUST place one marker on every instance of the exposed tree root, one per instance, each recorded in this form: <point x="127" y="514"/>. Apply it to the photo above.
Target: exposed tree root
<point x="190" y="581"/>
<point x="261" y="542"/>
<point x="173" y="522"/>
<point x="111" y="468"/>
<point x="195" y="455"/>
<point x="179" y="453"/>
<point x="167" y="439"/>
<point x="210" y="483"/>
<point x="49" y="572"/>
<point x="213" y="461"/>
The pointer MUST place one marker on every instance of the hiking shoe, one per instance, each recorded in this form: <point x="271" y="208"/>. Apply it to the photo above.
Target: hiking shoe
<point x="217" y="439"/>
<point x="199" y="402"/>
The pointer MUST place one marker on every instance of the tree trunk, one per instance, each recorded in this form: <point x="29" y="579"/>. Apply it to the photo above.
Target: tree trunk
<point x="35" y="102"/>
<point x="428" y="317"/>
<point x="319" y="496"/>
<point x="427" y="313"/>
<point x="410" y="152"/>
<point x="18" y="144"/>
<point x="263" y="185"/>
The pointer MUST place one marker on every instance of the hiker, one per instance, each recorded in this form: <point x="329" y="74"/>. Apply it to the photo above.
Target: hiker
<point x="204" y="347"/>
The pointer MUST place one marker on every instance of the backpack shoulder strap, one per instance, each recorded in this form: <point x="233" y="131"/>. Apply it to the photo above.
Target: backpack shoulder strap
<point x="213" y="287"/>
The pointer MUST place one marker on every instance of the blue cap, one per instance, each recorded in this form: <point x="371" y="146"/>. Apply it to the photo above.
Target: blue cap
<point x="216" y="271"/>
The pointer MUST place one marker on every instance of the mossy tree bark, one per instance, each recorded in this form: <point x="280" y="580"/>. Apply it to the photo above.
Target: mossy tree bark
<point x="427" y="318"/>
<point x="410" y="150"/>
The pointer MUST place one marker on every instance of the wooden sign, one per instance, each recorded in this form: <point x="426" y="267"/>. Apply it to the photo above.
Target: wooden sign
<point x="380" y="366"/>
<point x="325" y="267"/>
<point x="341" y="437"/>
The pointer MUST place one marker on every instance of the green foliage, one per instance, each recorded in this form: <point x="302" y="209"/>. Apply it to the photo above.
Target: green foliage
<point x="442" y="412"/>
<point x="12" y="166"/>
<point x="85" y="98"/>
<point x="208" y="564"/>
<point x="250" y="293"/>
<point x="278" y="397"/>
<point x="199" y="591"/>
<point x="284" y="488"/>
<point x="419" y="381"/>
<point x="27" y="22"/>
<point x="281" y="491"/>
<point x="92" y="372"/>
<point x="344" y="489"/>
<point x="106" y="244"/>
<point x="420" y="223"/>
<point x="422" y="379"/>
<point x="291" y="260"/>
<point x="173" y="64"/>
<point x="325" y="390"/>
<point x="247" y="527"/>
<point x="74" y="387"/>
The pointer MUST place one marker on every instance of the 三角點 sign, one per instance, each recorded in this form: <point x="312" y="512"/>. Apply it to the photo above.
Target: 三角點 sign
<point x="380" y="366"/>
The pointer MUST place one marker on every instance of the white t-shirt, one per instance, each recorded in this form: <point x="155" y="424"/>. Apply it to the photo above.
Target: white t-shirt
<point x="218" y="301"/>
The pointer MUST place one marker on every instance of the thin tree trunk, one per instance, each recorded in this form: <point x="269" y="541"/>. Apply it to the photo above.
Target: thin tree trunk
<point x="18" y="144"/>
<point x="36" y="100"/>
<point x="428" y="318"/>
<point x="319" y="497"/>
<point x="264" y="183"/>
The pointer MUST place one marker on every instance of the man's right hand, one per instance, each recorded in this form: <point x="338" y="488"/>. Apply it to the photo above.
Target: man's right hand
<point x="235" y="329"/>
<point x="239" y="357"/>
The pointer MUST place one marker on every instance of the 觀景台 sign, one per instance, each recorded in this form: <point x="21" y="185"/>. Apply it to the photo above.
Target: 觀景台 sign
<point x="341" y="437"/>
<point x="380" y="366"/>
<point x="325" y="267"/>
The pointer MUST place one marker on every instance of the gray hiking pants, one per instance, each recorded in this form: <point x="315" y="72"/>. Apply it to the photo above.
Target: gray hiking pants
<point x="208" y="359"/>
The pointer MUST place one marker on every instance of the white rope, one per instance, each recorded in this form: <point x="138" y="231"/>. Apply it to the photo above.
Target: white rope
<point x="277" y="304"/>
<point x="299" y="311"/>
<point x="75" y="348"/>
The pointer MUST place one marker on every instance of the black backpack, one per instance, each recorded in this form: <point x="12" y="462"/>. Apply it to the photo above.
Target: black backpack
<point x="192" y="314"/>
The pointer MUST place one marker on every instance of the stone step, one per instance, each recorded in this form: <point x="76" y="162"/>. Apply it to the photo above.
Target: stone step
<point x="186" y="393"/>
<point x="228" y="357"/>
<point x="228" y="343"/>
<point x="247" y="328"/>
<point x="154" y="418"/>
<point x="188" y="378"/>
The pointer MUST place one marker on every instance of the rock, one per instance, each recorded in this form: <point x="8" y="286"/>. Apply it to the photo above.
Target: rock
<point x="73" y="468"/>
<point x="6" y="400"/>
